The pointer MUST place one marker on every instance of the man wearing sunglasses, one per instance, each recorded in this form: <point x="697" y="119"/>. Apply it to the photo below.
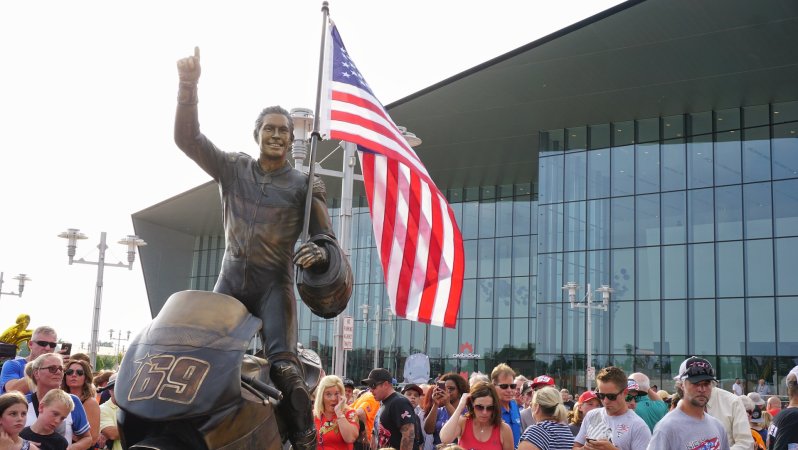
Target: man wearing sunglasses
<point x="12" y="377"/>
<point x="398" y="420"/>
<point x="650" y="407"/>
<point x="613" y="425"/>
<point x="503" y="379"/>
<point x="688" y="426"/>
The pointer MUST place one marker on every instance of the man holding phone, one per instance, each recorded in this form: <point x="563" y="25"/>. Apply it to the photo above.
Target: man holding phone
<point x="12" y="377"/>
<point x="614" y="425"/>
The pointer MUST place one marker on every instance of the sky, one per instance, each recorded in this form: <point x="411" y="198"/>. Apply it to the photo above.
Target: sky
<point x="87" y="100"/>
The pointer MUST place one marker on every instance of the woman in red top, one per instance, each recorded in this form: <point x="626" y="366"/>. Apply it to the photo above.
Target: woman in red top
<point x="336" y="423"/>
<point x="482" y="426"/>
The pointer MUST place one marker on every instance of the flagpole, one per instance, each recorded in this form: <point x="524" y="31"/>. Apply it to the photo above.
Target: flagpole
<point x="315" y="135"/>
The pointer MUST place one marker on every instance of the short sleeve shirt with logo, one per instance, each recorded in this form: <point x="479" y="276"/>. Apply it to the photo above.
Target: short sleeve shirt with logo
<point x="678" y="431"/>
<point x="396" y="412"/>
<point x="627" y="431"/>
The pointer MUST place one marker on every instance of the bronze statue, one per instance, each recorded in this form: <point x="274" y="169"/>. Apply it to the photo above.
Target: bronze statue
<point x="18" y="333"/>
<point x="264" y="201"/>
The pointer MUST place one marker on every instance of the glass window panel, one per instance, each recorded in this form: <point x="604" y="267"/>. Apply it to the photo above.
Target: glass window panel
<point x="761" y="332"/>
<point x="699" y="162"/>
<point x="551" y="228"/>
<point x="574" y="330"/>
<point x="435" y="345"/>
<point x="468" y="303"/>
<point x="785" y="207"/>
<point x="501" y="329"/>
<point x="731" y="336"/>
<point x="549" y="328"/>
<point x="647" y="227"/>
<point x="788" y="332"/>
<point x="533" y="254"/>
<point x="700" y="214"/>
<point x="700" y="123"/>
<point x="674" y="170"/>
<point x="622" y="315"/>
<point x="756" y="154"/>
<point x="785" y="150"/>
<point x="623" y="276"/>
<point x="729" y="213"/>
<point x="598" y="268"/>
<point x="757" y="209"/>
<point x="598" y="224"/>
<point x="623" y="225"/>
<point x="484" y="298"/>
<point x="487" y="219"/>
<point x="376" y="275"/>
<point x="623" y="170"/>
<point x="598" y="173"/>
<point x="550" y="277"/>
<point x="504" y="248"/>
<point x="502" y="293"/>
<point x="730" y="269"/>
<point x="648" y="328"/>
<point x="574" y="267"/>
<point x="470" y="249"/>
<point x="576" y="138"/>
<point x="487" y="192"/>
<point x="759" y="267"/>
<point x="533" y="289"/>
<point x="623" y="133"/>
<point x="728" y="168"/>
<point x="552" y="141"/>
<point x="521" y="306"/>
<point x="786" y="262"/>
<point x="674" y="217"/>
<point x="504" y="217"/>
<point x="674" y="263"/>
<point x="702" y="326"/>
<point x="673" y="127"/>
<point x="471" y="194"/>
<point x="600" y="136"/>
<point x="785" y="112"/>
<point x="485" y="264"/>
<point x="522" y="216"/>
<point x="754" y="116"/>
<point x="674" y="334"/>
<point x="648" y="270"/>
<point x="533" y="221"/>
<point x="701" y="269"/>
<point x="601" y="323"/>
<point x="575" y="232"/>
<point x="551" y="179"/>
<point x="648" y="130"/>
<point x="520" y="333"/>
<point x="647" y="169"/>
<point x="469" y="226"/>
<point x="575" y="179"/>
<point x="520" y="254"/>
<point x="727" y="119"/>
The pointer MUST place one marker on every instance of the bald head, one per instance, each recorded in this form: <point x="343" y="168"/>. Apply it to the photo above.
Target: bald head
<point x="642" y="381"/>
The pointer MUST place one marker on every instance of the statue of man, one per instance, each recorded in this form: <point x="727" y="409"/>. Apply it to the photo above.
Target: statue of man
<point x="264" y="207"/>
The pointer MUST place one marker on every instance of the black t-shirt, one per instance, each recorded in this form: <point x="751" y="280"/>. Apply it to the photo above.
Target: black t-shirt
<point x="396" y="412"/>
<point x="46" y="442"/>
<point x="784" y="429"/>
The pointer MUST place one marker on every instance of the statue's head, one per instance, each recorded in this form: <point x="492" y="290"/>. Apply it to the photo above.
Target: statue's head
<point x="24" y="320"/>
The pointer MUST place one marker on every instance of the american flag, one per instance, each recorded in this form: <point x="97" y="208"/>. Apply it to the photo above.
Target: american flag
<point x="417" y="238"/>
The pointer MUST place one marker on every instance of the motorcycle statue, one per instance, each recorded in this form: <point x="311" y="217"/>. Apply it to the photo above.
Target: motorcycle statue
<point x="186" y="382"/>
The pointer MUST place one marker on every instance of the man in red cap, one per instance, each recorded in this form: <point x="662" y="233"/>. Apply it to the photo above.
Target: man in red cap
<point x="542" y="381"/>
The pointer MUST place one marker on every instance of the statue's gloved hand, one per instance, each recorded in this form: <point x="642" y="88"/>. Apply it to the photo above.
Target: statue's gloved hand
<point x="189" y="68"/>
<point x="310" y="254"/>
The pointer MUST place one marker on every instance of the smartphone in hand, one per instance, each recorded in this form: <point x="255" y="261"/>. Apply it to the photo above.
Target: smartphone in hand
<point x="66" y="348"/>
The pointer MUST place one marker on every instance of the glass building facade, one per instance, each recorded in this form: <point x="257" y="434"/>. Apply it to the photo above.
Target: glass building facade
<point x="693" y="221"/>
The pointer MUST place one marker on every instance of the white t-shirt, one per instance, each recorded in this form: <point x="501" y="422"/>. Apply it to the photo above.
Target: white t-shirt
<point x="678" y="431"/>
<point x="627" y="431"/>
<point x="737" y="388"/>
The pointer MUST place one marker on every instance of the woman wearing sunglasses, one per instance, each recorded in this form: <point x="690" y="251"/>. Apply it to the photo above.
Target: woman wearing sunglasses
<point x="78" y="381"/>
<point x="47" y="373"/>
<point x="549" y="431"/>
<point x="482" y="426"/>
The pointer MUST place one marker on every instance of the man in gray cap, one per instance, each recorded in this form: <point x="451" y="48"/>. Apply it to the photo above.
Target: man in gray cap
<point x="688" y="427"/>
<point x="397" y="426"/>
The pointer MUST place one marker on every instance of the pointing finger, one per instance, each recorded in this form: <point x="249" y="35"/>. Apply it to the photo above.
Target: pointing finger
<point x="196" y="52"/>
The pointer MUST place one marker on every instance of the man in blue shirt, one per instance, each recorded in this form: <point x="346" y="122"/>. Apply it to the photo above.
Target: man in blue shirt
<point x="12" y="377"/>
<point x="502" y="377"/>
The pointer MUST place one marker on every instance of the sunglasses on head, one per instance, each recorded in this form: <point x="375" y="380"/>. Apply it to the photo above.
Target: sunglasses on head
<point x="77" y="371"/>
<point x="52" y="369"/>
<point x="45" y="344"/>
<point x="610" y="397"/>
<point x="483" y="407"/>
<point x="506" y="386"/>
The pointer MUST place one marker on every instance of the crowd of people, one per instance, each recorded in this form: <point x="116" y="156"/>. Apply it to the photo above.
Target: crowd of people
<point x="49" y="401"/>
<point x="504" y="411"/>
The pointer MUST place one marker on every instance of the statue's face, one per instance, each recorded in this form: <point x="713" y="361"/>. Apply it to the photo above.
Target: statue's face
<point x="275" y="137"/>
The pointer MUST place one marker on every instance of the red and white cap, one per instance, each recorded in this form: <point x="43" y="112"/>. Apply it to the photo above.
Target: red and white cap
<point x="587" y="396"/>
<point x="541" y="381"/>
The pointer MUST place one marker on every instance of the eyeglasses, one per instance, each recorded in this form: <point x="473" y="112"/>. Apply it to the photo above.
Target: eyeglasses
<point x="610" y="397"/>
<point x="52" y="369"/>
<point x="483" y="407"/>
<point x="506" y="386"/>
<point x="77" y="371"/>
<point x="45" y="344"/>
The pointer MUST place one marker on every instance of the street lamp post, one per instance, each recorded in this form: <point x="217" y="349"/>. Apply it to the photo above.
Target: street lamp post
<point x="377" y="326"/>
<point x="303" y="124"/>
<point x="22" y="278"/>
<point x="571" y="287"/>
<point x="72" y="235"/>
<point x="118" y="340"/>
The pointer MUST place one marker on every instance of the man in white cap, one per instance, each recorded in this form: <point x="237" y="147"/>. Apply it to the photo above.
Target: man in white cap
<point x="687" y="426"/>
<point x="783" y="432"/>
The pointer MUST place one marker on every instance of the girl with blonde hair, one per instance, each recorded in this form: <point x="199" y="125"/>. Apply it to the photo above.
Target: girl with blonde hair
<point x="336" y="422"/>
<point x="550" y="431"/>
